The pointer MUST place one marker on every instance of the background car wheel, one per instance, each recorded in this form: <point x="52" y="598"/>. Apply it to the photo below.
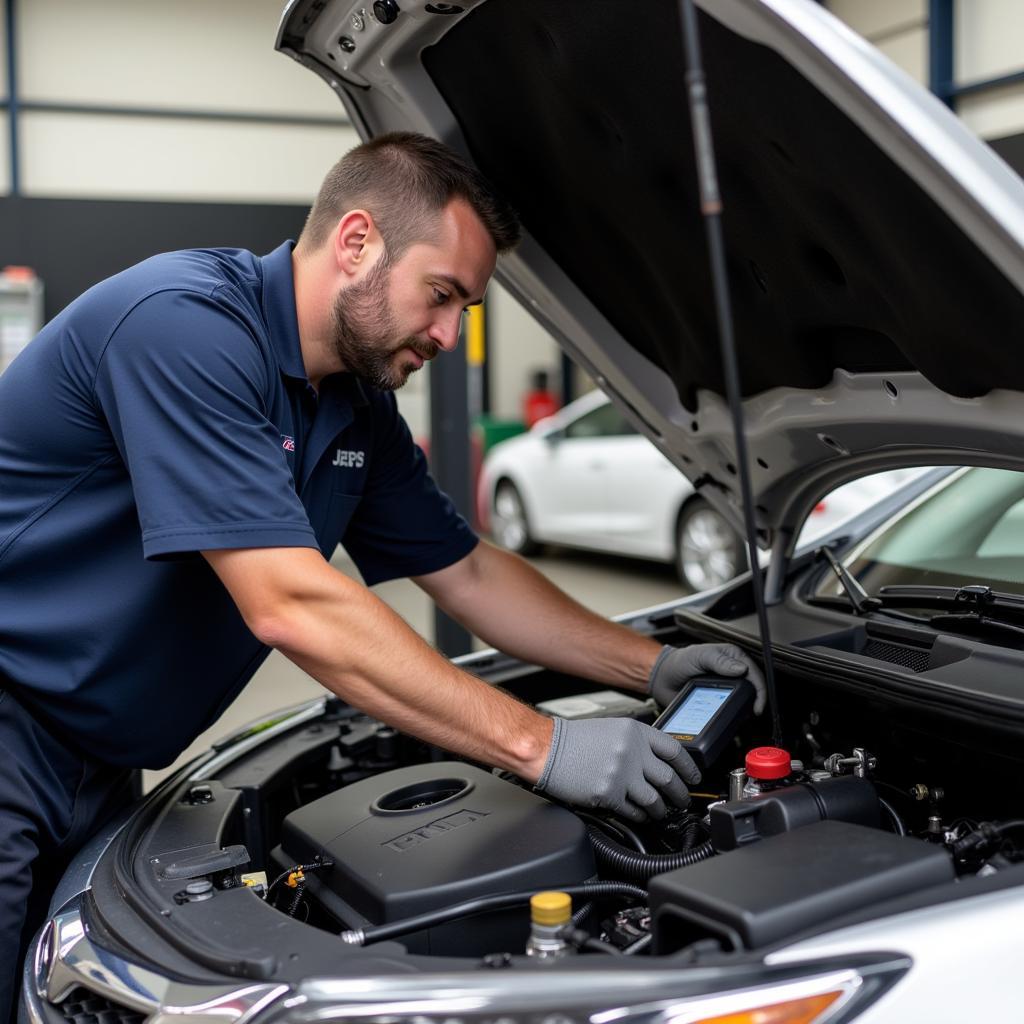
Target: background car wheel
<point x="509" y="524"/>
<point x="708" y="550"/>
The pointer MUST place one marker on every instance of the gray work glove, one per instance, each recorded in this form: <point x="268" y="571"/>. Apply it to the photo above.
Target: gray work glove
<point x="617" y="764"/>
<point x="676" y="666"/>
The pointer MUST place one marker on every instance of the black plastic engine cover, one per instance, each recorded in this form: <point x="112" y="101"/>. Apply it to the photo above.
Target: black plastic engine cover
<point x="421" y="838"/>
<point x="771" y="890"/>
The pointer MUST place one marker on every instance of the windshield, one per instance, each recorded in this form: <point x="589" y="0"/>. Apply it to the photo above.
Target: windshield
<point x="970" y="529"/>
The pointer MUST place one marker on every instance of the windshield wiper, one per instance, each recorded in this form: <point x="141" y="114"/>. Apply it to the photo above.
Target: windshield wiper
<point x="973" y="605"/>
<point x="860" y="599"/>
<point x="974" y="596"/>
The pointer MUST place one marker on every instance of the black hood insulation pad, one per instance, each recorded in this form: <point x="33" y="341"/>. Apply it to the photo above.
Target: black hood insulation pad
<point x="576" y="109"/>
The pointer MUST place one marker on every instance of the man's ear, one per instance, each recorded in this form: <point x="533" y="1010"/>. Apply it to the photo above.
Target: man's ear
<point x="357" y="243"/>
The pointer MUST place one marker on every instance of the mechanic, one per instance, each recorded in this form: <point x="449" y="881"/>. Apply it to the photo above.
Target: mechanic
<point x="181" y="450"/>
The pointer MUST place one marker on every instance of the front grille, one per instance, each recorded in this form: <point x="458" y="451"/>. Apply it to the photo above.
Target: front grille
<point x="84" y="1007"/>
<point x="909" y="657"/>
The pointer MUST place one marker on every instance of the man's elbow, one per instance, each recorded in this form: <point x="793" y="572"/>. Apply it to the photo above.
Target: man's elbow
<point x="271" y="588"/>
<point x="274" y="616"/>
<point x="272" y="626"/>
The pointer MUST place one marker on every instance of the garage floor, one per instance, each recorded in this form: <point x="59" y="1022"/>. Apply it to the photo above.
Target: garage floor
<point x="608" y="585"/>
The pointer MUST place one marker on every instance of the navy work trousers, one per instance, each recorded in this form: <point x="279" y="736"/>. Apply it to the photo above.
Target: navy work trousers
<point x="52" y="799"/>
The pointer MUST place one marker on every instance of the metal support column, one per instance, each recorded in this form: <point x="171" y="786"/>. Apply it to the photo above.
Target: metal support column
<point x="940" y="51"/>
<point x="12" y="94"/>
<point x="449" y="464"/>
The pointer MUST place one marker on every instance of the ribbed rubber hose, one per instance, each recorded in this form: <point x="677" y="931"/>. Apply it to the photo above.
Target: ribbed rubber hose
<point x="293" y="907"/>
<point x="639" y="867"/>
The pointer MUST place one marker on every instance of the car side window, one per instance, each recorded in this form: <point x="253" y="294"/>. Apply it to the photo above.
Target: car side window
<point x="604" y="421"/>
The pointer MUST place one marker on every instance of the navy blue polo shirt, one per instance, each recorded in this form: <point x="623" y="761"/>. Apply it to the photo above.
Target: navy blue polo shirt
<point x="167" y="411"/>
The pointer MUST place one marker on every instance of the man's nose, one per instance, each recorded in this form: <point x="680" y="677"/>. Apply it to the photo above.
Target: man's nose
<point x="444" y="331"/>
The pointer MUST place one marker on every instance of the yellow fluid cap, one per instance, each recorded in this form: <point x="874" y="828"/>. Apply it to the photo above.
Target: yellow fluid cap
<point x="550" y="908"/>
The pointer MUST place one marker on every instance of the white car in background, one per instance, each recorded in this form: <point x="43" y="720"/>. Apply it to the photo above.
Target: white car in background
<point x="586" y="478"/>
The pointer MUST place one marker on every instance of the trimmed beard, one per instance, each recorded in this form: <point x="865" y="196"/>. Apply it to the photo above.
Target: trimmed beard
<point x="365" y="328"/>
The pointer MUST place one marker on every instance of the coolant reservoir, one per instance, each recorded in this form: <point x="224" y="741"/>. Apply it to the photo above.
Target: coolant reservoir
<point x="549" y="913"/>
<point x="767" y="768"/>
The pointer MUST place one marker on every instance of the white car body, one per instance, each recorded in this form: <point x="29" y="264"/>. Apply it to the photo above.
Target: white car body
<point x="615" y="492"/>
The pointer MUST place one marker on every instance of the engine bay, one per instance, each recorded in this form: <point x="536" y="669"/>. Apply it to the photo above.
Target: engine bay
<point x="351" y="839"/>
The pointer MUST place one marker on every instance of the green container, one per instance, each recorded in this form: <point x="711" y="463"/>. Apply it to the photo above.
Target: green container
<point x="491" y="430"/>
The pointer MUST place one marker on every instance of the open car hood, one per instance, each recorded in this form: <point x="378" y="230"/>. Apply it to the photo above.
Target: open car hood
<point x="874" y="244"/>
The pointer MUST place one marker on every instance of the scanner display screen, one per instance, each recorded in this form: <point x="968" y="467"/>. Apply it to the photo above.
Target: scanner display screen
<point x="696" y="711"/>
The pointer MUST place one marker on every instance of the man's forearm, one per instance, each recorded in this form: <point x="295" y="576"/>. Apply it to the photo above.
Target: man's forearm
<point x="509" y="604"/>
<point x="357" y="647"/>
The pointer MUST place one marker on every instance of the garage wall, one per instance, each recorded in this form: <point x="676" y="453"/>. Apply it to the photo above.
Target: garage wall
<point x="899" y="28"/>
<point x="205" y="59"/>
<point x="988" y="43"/>
<point x="73" y="243"/>
<point x="519" y="347"/>
<point x="989" y="38"/>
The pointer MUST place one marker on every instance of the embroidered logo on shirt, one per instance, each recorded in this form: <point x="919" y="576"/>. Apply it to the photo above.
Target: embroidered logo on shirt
<point x="343" y="458"/>
<point x="287" y="443"/>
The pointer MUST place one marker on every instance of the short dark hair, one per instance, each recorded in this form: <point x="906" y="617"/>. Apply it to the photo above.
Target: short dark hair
<point x="403" y="180"/>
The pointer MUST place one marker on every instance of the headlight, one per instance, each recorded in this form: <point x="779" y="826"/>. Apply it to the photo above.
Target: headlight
<point x="804" y="994"/>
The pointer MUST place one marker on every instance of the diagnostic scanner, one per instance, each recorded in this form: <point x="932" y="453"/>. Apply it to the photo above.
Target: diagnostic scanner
<point x="706" y="715"/>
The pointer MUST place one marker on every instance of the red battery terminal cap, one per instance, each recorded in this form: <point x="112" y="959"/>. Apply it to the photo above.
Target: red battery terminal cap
<point x="768" y="763"/>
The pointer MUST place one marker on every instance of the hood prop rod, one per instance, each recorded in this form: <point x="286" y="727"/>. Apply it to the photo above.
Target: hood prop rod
<point x="711" y="210"/>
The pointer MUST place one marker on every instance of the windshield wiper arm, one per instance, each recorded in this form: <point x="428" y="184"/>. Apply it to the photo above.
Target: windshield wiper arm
<point x="974" y="597"/>
<point x="976" y="604"/>
<point x="860" y="599"/>
<point x="955" y="621"/>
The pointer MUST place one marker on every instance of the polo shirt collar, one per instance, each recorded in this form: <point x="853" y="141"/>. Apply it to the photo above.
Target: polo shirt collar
<point x="279" y="309"/>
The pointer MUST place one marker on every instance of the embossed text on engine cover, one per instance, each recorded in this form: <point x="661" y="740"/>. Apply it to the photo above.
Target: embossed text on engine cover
<point x="433" y="829"/>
